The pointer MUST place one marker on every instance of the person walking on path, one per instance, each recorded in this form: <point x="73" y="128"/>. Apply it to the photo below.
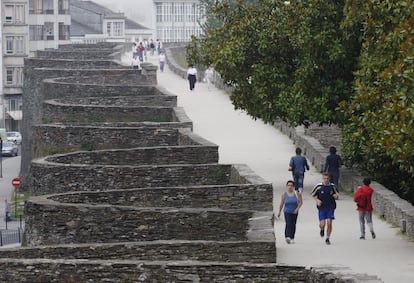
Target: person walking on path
<point x="332" y="165"/>
<point x="290" y="202"/>
<point x="7" y="210"/>
<point x="363" y="199"/>
<point x="325" y="194"/>
<point x="208" y="76"/>
<point x="192" y="76"/>
<point x="298" y="165"/>
<point x="161" y="60"/>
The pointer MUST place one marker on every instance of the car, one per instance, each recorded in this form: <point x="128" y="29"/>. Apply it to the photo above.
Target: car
<point x="15" y="137"/>
<point x="9" y="149"/>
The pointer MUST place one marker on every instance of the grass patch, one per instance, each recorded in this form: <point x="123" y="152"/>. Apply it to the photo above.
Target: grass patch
<point x="17" y="203"/>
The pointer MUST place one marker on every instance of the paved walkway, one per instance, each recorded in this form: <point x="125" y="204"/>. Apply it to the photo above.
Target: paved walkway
<point x="267" y="151"/>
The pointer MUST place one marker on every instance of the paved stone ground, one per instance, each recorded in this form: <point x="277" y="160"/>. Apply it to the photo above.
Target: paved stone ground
<point x="267" y="151"/>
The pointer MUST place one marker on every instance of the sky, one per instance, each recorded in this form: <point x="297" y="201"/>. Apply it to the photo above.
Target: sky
<point x="140" y="11"/>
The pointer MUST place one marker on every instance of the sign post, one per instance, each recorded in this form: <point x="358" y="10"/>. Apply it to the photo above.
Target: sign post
<point x="16" y="184"/>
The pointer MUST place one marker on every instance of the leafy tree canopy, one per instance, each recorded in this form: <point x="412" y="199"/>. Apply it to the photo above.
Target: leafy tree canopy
<point x="284" y="60"/>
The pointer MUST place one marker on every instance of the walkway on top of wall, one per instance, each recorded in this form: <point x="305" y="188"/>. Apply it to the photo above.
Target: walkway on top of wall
<point x="267" y="151"/>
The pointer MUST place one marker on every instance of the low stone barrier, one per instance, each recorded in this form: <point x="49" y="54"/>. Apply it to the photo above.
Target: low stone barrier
<point x="79" y="54"/>
<point x="240" y="196"/>
<point x="48" y="177"/>
<point x="59" y="138"/>
<point x="173" y="250"/>
<point x="141" y="100"/>
<point x="44" y="270"/>
<point x="50" y="223"/>
<point x="60" y="113"/>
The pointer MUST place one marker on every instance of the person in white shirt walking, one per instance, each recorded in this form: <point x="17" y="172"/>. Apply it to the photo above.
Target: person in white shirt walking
<point x="192" y="76"/>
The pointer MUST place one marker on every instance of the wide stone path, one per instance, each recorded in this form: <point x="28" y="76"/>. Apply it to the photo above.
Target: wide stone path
<point x="267" y="151"/>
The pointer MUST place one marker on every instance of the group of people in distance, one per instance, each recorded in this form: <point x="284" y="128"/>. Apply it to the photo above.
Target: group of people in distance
<point x="324" y="194"/>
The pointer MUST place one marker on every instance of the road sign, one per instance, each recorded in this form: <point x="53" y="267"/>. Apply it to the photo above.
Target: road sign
<point x="16" y="182"/>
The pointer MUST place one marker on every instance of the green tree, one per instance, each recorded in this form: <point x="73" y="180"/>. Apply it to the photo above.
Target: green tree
<point x="284" y="60"/>
<point x="380" y="134"/>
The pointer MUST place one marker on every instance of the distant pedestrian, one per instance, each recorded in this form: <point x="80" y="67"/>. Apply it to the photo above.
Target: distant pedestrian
<point x="7" y="210"/>
<point x="325" y="195"/>
<point x="140" y="50"/>
<point x="208" y="76"/>
<point x="135" y="63"/>
<point x="161" y="60"/>
<point x="290" y="203"/>
<point x="192" y="76"/>
<point x="298" y="165"/>
<point x="152" y="47"/>
<point x="363" y="199"/>
<point x="332" y="165"/>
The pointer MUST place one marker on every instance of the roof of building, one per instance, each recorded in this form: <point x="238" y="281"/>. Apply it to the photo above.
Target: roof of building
<point x="80" y="29"/>
<point x="96" y="8"/>
<point x="130" y="24"/>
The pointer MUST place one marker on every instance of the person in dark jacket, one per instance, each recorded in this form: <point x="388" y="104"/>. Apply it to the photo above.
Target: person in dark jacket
<point x="364" y="207"/>
<point x="325" y="195"/>
<point x="298" y="165"/>
<point x="332" y="165"/>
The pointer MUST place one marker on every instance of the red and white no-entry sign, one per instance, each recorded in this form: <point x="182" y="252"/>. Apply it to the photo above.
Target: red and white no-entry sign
<point x="16" y="182"/>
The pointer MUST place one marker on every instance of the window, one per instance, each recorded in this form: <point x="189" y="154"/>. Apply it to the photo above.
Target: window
<point x="35" y="6"/>
<point x="36" y="33"/>
<point x="118" y="28"/>
<point x="9" y="44"/>
<point x="14" y="14"/>
<point x="63" y="6"/>
<point x="15" y="45"/>
<point x="49" y="32"/>
<point x="109" y="29"/>
<point x="64" y="32"/>
<point x="8" y="13"/>
<point x="48" y="7"/>
<point x="9" y="76"/>
<point x="14" y="76"/>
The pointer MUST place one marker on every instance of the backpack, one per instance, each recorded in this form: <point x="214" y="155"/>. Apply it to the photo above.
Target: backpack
<point x="362" y="201"/>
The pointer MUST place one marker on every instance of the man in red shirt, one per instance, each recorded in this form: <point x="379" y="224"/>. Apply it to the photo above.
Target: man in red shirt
<point x="363" y="199"/>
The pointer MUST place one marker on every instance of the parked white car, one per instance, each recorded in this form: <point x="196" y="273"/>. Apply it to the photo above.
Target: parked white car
<point x="9" y="149"/>
<point x="15" y="137"/>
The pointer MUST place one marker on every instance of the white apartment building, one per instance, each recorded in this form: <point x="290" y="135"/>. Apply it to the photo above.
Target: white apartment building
<point x="49" y="24"/>
<point x="15" y="42"/>
<point x="27" y="26"/>
<point x="177" y="20"/>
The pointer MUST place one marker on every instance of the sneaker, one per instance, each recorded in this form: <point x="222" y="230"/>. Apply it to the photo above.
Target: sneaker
<point x="288" y="240"/>
<point x="292" y="241"/>
<point x="327" y="241"/>
<point x="373" y="235"/>
<point x="362" y="238"/>
<point x="322" y="232"/>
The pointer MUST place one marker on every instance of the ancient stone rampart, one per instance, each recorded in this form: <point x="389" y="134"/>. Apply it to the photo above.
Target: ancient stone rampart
<point x="134" y="200"/>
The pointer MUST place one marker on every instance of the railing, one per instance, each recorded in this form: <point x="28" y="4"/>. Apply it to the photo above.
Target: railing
<point x="11" y="232"/>
<point x="12" y="236"/>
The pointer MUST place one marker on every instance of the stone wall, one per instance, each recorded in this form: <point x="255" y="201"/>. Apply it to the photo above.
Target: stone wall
<point x="172" y="250"/>
<point x="240" y="196"/>
<point x="51" y="223"/>
<point x="54" y="177"/>
<point x="34" y="94"/>
<point x="155" y="185"/>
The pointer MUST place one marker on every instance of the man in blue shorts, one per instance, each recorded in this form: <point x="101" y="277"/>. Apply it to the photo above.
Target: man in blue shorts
<point x="325" y="194"/>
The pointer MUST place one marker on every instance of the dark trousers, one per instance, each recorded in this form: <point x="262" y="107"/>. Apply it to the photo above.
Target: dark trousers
<point x="192" y="80"/>
<point x="290" y="228"/>
<point x="334" y="178"/>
